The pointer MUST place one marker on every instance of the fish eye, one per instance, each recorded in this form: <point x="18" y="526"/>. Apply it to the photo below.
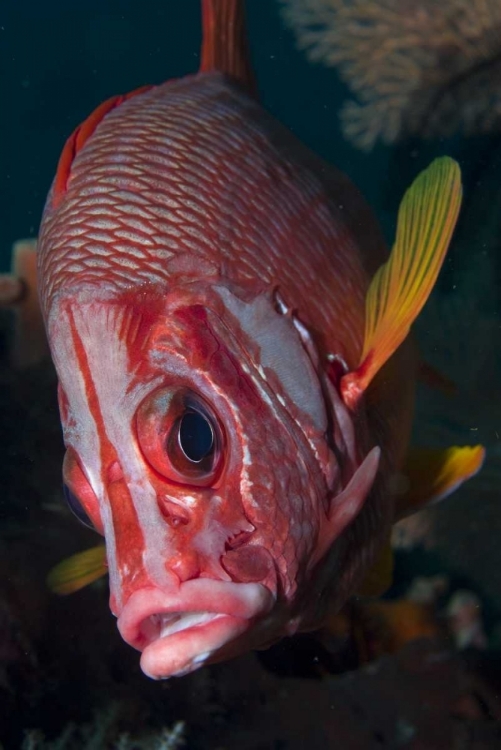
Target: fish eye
<point x="195" y="436"/>
<point x="191" y="445"/>
<point x="76" y="507"/>
<point x="180" y="436"/>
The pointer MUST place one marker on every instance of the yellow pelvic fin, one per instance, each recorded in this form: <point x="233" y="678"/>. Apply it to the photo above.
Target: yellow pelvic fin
<point x="379" y="577"/>
<point x="431" y="474"/>
<point x="399" y="289"/>
<point x="77" y="571"/>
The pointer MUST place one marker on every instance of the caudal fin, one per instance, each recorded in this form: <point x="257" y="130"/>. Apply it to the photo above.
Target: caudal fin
<point x="224" y="43"/>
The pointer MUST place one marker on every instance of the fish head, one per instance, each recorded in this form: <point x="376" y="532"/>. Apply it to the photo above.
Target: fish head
<point x="198" y="436"/>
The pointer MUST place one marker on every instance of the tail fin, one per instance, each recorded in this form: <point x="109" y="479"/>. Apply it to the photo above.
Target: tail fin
<point x="224" y="44"/>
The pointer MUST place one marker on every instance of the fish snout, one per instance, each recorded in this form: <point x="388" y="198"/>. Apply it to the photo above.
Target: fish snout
<point x="186" y="565"/>
<point x="199" y="621"/>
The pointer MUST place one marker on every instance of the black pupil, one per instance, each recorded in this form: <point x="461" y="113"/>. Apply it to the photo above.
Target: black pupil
<point x="195" y="436"/>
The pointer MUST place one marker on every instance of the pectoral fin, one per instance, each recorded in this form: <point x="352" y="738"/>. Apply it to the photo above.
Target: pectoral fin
<point x="347" y="504"/>
<point x="78" y="571"/>
<point x="400" y="288"/>
<point x="431" y="474"/>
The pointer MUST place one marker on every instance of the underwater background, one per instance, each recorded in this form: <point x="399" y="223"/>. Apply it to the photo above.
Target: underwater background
<point x="419" y="670"/>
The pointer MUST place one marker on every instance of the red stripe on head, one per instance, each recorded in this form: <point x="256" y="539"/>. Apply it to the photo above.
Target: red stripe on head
<point x="128" y="549"/>
<point x="80" y="135"/>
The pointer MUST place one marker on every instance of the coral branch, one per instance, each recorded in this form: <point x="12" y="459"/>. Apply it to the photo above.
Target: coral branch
<point x="416" y="68"/>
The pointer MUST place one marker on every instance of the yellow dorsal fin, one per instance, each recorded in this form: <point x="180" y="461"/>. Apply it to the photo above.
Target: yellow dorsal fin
<point x="78" y="571"/>
<point x="399" y="289"/>
<point x="430" y="474"/>
<point x="378" y="578"/>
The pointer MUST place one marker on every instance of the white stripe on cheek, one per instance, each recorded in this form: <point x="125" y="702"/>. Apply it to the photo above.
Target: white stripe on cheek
<point x="119" y="398"/>
<point x="281" y="351"/>
<point x="80" y="430"/>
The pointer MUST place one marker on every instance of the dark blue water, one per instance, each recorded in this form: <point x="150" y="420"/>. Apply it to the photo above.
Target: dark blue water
<point x="61" y="661"/>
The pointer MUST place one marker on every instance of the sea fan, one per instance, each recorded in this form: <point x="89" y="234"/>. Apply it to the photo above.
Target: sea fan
<point x="416" y="67"/>
<point x="103" y="732"/>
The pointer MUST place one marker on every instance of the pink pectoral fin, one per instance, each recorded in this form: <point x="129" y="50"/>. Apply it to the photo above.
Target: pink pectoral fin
<point x="347" y="505"/>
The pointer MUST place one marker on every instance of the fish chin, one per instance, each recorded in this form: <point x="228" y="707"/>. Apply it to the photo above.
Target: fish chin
<point x="199" y="622"/>
<point x="190" y="648"/>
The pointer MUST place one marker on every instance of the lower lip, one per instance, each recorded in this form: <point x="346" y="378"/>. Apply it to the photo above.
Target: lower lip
<point x="179" y="630"/>
<point x="186" y="650"/>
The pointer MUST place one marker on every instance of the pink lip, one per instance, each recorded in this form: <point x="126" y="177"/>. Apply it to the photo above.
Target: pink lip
<point x="178" y="632"/>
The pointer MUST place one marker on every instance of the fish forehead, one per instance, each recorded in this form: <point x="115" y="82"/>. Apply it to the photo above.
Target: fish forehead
<point x="192" y="179"/>
<point x="158" y="181"/>
<point x="183" y="331"/>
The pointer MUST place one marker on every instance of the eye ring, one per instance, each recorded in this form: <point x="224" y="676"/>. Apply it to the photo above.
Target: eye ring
<point x="76" y="507"/>
<point x="180" y="436"/>
<point x="79" y="494"/>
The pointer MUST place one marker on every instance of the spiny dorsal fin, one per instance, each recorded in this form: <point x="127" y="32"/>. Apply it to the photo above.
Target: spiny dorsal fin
<point x="77" y="571"/>
<point x="399" y="289"/>
<point x="224" y="44"/>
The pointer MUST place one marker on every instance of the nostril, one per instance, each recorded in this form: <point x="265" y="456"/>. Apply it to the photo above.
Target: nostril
<point x="185" y="566"/>
<point x="174" y="514"/>
<point x="115" y="473"/>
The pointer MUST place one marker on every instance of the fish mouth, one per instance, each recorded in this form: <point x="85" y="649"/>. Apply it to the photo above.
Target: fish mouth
<point x="178" y="632"/>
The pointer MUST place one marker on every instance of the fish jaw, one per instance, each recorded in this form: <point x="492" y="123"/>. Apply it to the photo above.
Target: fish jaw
<point x="179" y="631"/>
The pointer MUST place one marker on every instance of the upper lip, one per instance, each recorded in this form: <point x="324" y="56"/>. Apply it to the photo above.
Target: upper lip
<point x="211" y="612"/>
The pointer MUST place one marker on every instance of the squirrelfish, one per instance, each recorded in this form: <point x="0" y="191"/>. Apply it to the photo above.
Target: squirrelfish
<point x="236" y="378"/>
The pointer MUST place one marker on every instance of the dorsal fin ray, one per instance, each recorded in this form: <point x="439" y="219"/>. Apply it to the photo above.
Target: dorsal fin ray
<point x="224" y="42"/>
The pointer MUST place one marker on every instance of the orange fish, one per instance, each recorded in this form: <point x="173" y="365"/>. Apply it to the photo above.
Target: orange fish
<point x="235" y="375"/>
